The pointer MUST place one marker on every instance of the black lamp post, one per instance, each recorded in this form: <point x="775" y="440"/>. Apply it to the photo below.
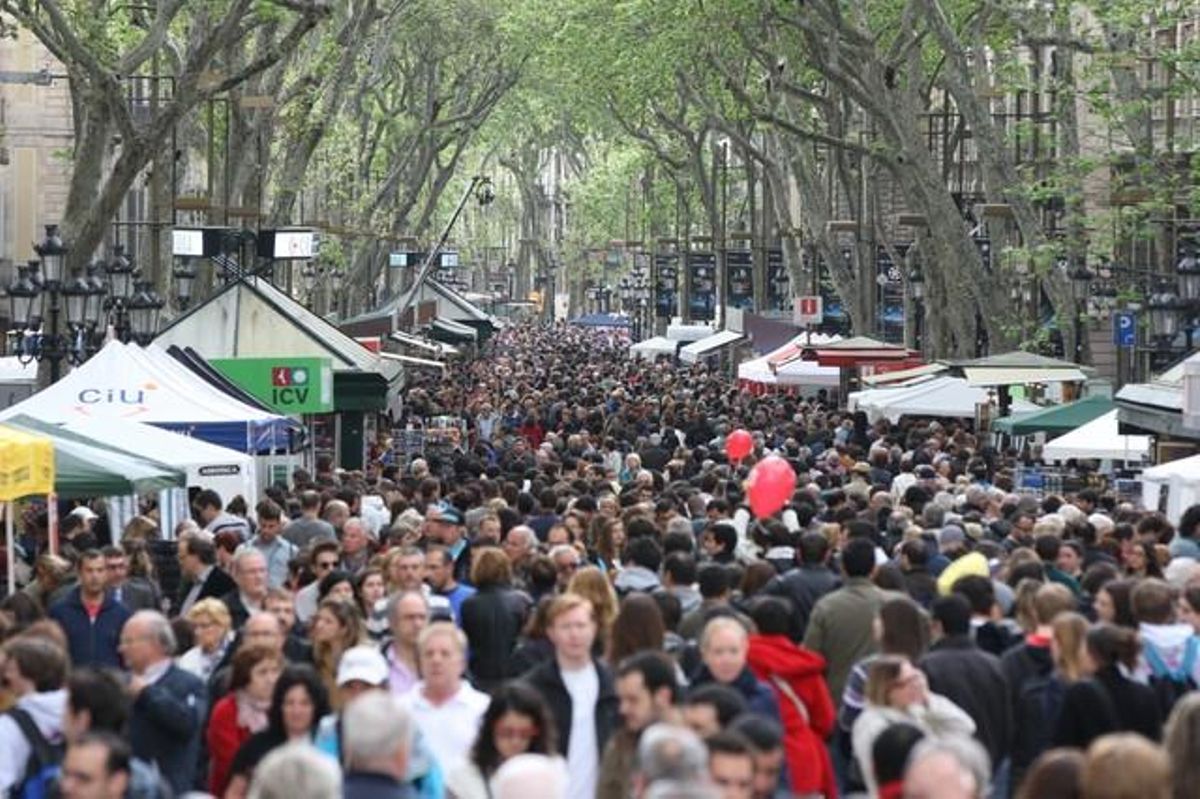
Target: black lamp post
<point x="38" y="282"/>
<point x="916" y="284"/>
<point x="1081" y="281"/>
<point x="144" y="308"/>
<point x="184" y="273"/>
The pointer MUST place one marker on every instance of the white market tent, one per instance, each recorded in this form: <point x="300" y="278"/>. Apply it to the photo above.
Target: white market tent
<point x="943" y="397"/>
<point x="1181" y="478"/>
<point x="693" y="352"/>
<point x="795" y="373"/>
<point x="224" y="470"/>
<point x="1099" y="439"/>
<point x="132" y="383"/>
<point x="651" y="348"/>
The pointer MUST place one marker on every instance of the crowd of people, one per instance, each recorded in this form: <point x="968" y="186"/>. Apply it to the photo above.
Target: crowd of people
<point x="577" y="602"/>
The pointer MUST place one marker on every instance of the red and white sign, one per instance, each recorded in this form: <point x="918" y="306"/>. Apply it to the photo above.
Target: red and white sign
<point x="807" y="311"/>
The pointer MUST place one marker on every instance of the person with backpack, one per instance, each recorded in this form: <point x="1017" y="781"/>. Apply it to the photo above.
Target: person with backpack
<point x="1170" y="661"/>
<point x="31" y="733"/>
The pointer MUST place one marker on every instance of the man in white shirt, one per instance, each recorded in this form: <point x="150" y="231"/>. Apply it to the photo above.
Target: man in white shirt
<point x="579" y="691"/>
<point x="444" y="706"/>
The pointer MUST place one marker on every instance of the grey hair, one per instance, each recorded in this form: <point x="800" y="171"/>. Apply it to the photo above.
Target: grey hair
<point x="559" y="549"/>
<point x="296" y="771"/>
<point x="971" y="757"/>
<point x="244" y="552"/>
<point x="678" y="524"/>
<point x="159" y="629"/>
<point x="671" y="753"/>
<point x="395" y="599"/>
<point x="531" y="775"/>
<point x="374" y="727"/>
<point x="527" y="533"/>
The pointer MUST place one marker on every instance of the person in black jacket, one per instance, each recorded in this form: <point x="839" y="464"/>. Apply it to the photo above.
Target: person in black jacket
<point x="169" y="705"/>
<point x="969" y="677"/>
<point x="808" y="582"/>
<point x="1135" y="705"/>
<point x="492" y="619"/>
<point x="578" y="689"/>
<point x="202" y="578"/>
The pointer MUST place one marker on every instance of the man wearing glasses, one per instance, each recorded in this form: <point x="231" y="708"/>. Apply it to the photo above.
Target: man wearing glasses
<point x="324" y="558"/>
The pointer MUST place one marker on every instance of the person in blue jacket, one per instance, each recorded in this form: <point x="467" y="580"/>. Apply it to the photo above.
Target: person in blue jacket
<point x="91" y="617"/>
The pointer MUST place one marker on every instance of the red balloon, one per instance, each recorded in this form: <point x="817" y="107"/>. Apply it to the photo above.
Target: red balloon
<point x="770" y="486"/>
<point x="738" y="444"/>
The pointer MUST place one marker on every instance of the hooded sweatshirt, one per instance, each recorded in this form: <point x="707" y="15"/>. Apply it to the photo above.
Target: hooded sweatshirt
<point x="636" y="578"/>
<point x="47" y="710"/>
<point x="1170" y="642"/>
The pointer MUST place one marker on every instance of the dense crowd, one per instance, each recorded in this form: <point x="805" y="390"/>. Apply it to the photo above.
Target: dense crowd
<point x="571" y="598"/>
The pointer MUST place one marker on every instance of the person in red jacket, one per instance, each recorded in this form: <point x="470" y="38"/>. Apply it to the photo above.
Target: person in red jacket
<point x="242" y="712"/>
<point x="796" y="675"/>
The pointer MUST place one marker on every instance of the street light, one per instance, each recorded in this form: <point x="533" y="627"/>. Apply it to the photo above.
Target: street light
<point x="23" y="296"/>
<point x="53" y="254"/>
<point x="1081" y="280"/>
<point x="144" y="308"/>
<point x="77" y="292"/>
<point x="1164" y="309"/>
<point x="185" y="273"/>
<point x="119" y="272"/>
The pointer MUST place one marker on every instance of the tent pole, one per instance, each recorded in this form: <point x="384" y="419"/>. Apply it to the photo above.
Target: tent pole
<point x="10" y="546"/>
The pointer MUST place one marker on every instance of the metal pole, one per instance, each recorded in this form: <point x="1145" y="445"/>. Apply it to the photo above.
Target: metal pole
<point x="427" y="267"/>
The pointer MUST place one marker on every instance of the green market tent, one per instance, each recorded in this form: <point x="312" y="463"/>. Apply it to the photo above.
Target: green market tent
<point x="1057" y="419"/>
<point x="85" y="467"/>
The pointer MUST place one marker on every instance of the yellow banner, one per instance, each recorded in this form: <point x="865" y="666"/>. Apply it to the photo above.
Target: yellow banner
<point x="26" y="464"/>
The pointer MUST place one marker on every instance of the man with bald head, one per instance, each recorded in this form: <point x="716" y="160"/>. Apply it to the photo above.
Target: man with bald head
<point x="168" y="709"/>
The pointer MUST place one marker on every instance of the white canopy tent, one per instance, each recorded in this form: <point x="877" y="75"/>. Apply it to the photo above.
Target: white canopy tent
<point x="795" y="373"/>
<point x="1099" y="439"/>
<point x="132" y="383"/>
<point x="694" y="352"/>
<point x="651" y="348"/>
<point x="1181" y="478"/>
<point x="224" y="470"/>
<point x="948" y="397"/>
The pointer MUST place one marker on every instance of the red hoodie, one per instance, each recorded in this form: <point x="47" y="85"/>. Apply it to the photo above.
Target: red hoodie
<point x="777" y="661"/>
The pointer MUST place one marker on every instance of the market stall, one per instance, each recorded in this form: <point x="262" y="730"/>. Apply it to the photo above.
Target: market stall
<point x="652" y="348"/>
<point x="1180" y="479"/>
<point x="947" y="397"/>
<point x="1099" y="439"/>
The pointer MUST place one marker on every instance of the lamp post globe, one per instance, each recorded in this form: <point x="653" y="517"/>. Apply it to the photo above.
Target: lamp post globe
<point x="144" y="308"/>
<point x="52" y="253"/>
<point x="77" y="292"/>
<point x="120" y="274"/>
<point x="23" y="299"/>
<point x="184" y="275"/>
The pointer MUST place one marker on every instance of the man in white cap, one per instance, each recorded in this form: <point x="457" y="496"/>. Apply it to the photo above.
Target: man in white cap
<point x="362" y="670"/>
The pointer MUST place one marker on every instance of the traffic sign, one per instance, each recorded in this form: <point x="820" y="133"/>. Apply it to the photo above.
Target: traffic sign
<point x="1125" y="329"/>
<point x="807" y="311"/>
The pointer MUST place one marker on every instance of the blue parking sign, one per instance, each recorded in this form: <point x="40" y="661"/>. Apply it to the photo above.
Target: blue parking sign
<point x="1125" y="329"/>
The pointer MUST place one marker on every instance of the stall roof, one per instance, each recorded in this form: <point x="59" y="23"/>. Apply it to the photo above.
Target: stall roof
<point x="125" y="381"/>
<point x="1098" y="439"/>
<point x="409" y="360"/>
<point x="651" y="348"/>
<point x="904" y="375"/>
<point x="1056" y="419"/>
<point x="601" y="320"/>
<point x="697" y="349"/>
<point x="251" y="318"/>
<point x="940" y="397"/>
<point x="420" y="343"/>
<point x="454" y="330"/>
<point x="1018" y="368"/>
<point x="857" y="351"/>
<point x="87" y="467"/>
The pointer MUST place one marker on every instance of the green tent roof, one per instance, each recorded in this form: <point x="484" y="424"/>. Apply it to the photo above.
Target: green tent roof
<point x="1057" y="419"/>
<point x="85" y="467"/>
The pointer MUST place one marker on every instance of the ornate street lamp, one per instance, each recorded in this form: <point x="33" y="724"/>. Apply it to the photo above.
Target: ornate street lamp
<point x="120" y="274"/>
<point x="1164" y="309"/>
<point x="1187" y="270"/>
<point x="23" y="301"/>
<point x="77" y="292"/>
<point x="916" y="282"/>
<point x="97" y="291"/>
<point x="144" y="308"/>
<point x="184" y="274"/>
<point x="53" y="255"/>
<point x="1081" y="281"/>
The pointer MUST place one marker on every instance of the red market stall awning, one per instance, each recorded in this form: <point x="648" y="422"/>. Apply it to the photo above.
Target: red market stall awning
<point x="863" y="353"/>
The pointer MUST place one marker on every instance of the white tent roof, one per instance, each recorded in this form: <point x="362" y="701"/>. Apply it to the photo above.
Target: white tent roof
<point x="795" y="373"/>
<point x="688" y="332"/>
<point x="125" y="381"/>
<point x="13" y="371"/>
<point x="1181" y="478"/>
<point x="1099" y="439"/>
<point x="651" y="348"/>
<point x="697" y="349"/>
<point x="941" y="397"/>
<point x="224" y="470"/>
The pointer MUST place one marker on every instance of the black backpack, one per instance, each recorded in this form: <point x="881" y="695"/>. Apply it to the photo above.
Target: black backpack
<point x="1171" y="685"/>
<point x="45" y="758"/>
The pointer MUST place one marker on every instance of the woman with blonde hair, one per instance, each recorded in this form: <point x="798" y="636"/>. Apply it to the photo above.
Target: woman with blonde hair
<point x="1127" y="766"/>
<point x="1082" y="710"/>
<point x="337" y="626"/>
<point x="1182" y="742"/>
<point x="591" y="584"/>
<point x="212" y="630"/>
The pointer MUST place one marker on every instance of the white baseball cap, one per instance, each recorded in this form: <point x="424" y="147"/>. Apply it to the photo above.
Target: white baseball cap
<point x="364" y="664"/>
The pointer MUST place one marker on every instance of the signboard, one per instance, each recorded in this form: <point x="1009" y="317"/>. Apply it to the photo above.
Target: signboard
<point x="1125" y="329"/>
<point x="187" y="242"/>
<point x="666" y="285"/>
<point x="807" y="311"/>
<point x="778" y="279"/>
<point x="890" y="307"/>
<point x="739" y="277"/>
<point x="702" y="302"/>
<point x="288" y="385"/>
